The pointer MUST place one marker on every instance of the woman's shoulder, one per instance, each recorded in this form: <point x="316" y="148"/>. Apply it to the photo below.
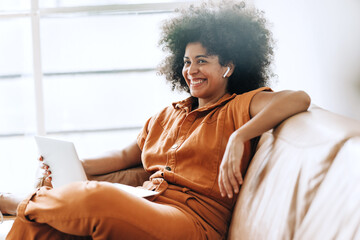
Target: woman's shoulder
<point x="241" y="102"/>
<point x="246" y="97"/>
<point x="166" y="111"/>
<point x="238" y="109"/>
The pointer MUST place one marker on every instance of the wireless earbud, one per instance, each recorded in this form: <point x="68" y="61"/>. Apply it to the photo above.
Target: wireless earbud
<point x="227" y="71"/>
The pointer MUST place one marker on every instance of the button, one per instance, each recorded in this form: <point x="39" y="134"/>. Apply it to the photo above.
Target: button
<point x="185" y="190"/>
<point x="168" y="168"/>
<point x="174" y="146"/>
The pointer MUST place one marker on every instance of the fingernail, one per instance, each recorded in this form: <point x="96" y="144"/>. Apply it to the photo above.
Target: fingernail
<point x="229" y="196"/>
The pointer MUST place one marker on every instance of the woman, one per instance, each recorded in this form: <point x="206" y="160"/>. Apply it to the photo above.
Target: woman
<point x="197" y="149"/>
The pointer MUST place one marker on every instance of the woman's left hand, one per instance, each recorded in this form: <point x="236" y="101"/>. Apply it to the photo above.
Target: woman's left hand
<point x="230" y="175"/>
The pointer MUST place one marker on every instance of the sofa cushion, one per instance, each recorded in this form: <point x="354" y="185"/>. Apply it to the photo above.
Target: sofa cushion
<point x="335" y="211"/>
<point x="287" y="173"/>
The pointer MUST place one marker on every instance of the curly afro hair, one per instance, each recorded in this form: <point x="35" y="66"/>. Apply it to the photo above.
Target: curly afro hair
<point x="234" y="32"/>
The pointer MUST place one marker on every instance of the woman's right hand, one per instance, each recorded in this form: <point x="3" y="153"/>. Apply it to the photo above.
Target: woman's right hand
<point x="46" y="173"/>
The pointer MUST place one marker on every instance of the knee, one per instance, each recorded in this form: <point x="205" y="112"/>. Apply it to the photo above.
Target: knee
<point x="92" y="190"/>
<point x="85" y="194"/>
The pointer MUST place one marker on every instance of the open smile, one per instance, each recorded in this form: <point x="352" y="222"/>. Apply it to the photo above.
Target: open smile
<point x="197" y="81"/>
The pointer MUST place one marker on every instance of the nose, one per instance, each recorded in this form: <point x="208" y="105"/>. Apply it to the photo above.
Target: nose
<point x="193" y="69"/>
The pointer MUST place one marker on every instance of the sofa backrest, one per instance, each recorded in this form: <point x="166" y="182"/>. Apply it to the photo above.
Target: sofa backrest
<point x="303" y="182"/>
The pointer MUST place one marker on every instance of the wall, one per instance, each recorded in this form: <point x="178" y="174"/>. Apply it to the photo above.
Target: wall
<point x="318" y="50"/>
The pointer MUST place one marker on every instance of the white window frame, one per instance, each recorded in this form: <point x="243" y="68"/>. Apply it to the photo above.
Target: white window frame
<point x="36" y="13"/>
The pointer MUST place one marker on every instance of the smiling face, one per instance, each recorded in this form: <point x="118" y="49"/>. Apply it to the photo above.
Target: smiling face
<point x="204" y="74"/>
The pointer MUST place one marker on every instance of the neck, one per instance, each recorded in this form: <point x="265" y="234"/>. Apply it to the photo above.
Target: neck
<point x="204" y="102"/>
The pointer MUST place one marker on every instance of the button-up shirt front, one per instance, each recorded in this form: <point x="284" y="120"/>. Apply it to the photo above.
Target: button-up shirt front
<point x="187" y="146"/>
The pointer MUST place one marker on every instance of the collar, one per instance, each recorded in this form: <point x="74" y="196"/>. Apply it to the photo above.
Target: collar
<point x="187" y="103"/>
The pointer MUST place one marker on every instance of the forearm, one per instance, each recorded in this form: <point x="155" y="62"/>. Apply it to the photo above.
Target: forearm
<point x="282" y="106"/>
<point x="113" y="161"/>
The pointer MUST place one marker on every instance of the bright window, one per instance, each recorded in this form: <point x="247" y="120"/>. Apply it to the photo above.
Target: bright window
<point x="84" y="71"/>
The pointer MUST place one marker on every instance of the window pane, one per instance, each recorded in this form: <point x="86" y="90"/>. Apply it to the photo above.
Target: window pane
<point x="104" y="101"/>
<point x="14" y="5"/>
<point x="75" y="3"/>
<point x="17" y="114"/>
<point x="15" y="47"/>
<point x="101" y="42"/>
<point x="16" y="85"/>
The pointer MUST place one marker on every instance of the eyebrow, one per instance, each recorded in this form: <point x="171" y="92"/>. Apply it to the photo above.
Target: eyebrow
<point x="198" y="56"/>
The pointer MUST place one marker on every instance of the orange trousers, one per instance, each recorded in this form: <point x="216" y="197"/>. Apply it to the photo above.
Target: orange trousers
<point x="98" y="210"/>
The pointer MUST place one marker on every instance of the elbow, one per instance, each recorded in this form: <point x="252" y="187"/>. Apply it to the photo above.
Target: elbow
<point x="88" y="166"/>
<point x="302" y="100"/>
<point x="85" y="164"/>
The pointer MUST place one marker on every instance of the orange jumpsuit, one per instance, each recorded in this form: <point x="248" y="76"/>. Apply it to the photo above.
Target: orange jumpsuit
<point x="183" y="149"/>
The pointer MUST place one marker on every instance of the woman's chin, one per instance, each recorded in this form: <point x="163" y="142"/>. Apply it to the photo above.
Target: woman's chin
<point x="196" y="93"/>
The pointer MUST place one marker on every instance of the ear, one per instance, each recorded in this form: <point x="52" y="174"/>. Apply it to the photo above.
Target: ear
<point x="229" y="69"/>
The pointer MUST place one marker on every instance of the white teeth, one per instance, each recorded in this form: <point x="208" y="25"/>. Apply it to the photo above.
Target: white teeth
<point x="198" y="81"/>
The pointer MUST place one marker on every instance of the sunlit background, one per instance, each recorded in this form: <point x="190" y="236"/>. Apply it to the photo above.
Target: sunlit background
<point x="85" y="71"/>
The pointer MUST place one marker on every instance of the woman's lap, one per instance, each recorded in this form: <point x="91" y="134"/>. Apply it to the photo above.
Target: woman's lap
<point x="102" y="211"/>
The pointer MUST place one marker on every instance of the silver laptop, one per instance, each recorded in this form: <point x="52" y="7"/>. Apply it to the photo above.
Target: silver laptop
<point x="63" y="159"/>
<point x="66" y="167"/>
